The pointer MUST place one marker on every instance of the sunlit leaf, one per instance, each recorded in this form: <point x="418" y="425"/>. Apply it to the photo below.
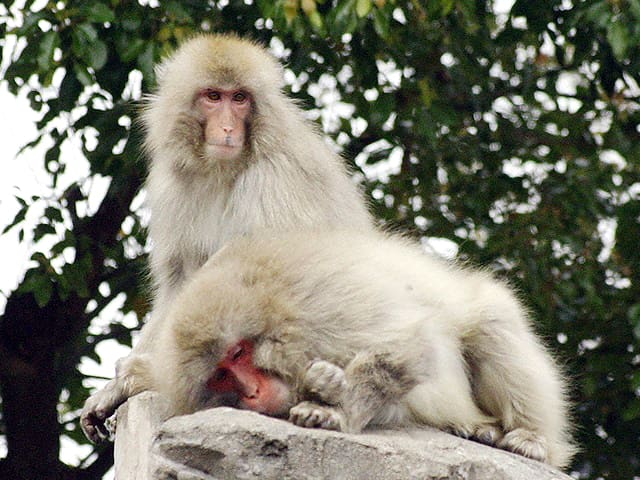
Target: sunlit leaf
<point x="99" y="13"/>
<point x="619" y="38"/>
<point x="363" y="7"/>
<point x="48" y="44"/>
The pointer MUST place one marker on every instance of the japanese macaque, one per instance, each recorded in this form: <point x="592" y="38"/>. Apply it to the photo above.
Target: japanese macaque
<point x="229" y="155"/>
<point x="344" y="331"/>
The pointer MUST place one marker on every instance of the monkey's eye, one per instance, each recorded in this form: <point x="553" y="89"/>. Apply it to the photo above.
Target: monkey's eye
<point x="236" y="353"/>
<point x="220" y="374"/>
<point x="240" y="97"/>
<point x="212" y="95"/>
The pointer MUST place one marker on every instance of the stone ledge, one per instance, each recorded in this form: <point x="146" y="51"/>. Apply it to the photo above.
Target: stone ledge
<point x="225" y="443"/>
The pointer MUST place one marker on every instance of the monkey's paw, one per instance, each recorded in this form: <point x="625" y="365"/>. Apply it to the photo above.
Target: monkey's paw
<point x="324" y="381"/>
<point x="97" y="409"/>
<point x="488" y="434"/>
<point x="312" y="415"/>
<point x="526" y="443"/>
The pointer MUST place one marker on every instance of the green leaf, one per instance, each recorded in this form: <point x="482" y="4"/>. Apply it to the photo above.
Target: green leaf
<point x="41" y="230"/>
<point x="635" y="381"/>
<point x="132" y="22"/>
<point x="85" y="33"/>
<point x="381" y="23"/>
<point x="308" y="6"/>
<point x="599" y="13"/>
<point x="363" y="7"/>
<point x="316" y="20"/>
<point x="37" y="281"/>
<point x="51" y="158"/>
<point x="70" y="89"/>
<point x="177" y="11"/>
<point x="99" y="56"/>
<point x="53" y="214"/>
<point x="146" y="62"/>
<point x="19" y="217"/>
<point x="86" y="46"/>
<point x="129" y="48"/>
<point x="48" y="44"/>
<point x="31" y="22"/>
<point x="42" y="291"/>
<point x="290" y="10"/>
<point x="345" y="19"/>
<point x="83" y="75"/>
<point x="75" y="276"/>
<point x="446" y="6"/>
<point x="619" y="37"/>
<point x="99" y="13"/>
<point x="427" y="94"/>
<point x="632" y="411"/>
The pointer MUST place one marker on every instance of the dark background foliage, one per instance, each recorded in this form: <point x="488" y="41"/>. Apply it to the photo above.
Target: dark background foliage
<point x="511" y="130"/>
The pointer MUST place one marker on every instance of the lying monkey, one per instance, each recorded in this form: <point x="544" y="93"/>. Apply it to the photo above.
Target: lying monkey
<point x="346" y="330"/>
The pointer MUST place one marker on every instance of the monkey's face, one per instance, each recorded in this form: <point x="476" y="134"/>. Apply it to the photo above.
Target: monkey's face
<point x="209" y="95"/>
<point x="225" y="113"/>
<point x="237" y="382"/>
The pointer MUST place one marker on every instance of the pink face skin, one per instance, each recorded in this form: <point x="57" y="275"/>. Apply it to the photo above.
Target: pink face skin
<point x="226" y="113"/>
<point x="257" y="390"/>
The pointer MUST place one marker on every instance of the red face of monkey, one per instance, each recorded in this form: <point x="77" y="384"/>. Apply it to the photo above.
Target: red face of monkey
<point x="225" y="113"/>
<point x="255" y="390"/>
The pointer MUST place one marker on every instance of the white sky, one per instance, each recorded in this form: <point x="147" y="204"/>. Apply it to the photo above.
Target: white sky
<point x="16" y="129"/>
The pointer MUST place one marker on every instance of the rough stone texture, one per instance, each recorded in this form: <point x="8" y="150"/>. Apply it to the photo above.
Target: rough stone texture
<point x="137" y="423"/>
<point x="224" y="443"/>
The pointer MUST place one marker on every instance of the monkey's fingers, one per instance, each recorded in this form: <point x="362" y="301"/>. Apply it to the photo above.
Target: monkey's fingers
<point x="94" y="426"/>
<point x="312" y="415"/>
<point x="98" y="408"/>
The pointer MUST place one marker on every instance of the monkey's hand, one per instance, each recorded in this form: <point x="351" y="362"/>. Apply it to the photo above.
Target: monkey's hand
<point x="98" y="408"/>
<point x="312" y="415"/>
<point x="324" y="381"/>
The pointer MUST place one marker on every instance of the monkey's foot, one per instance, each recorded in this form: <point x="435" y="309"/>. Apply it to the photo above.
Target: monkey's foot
<point x="526" y="443"/>
<point x="312" y="415"/>
<point x="324" y="381"/>
<point x="488" y="434"/>
<point x="97" y="409"/>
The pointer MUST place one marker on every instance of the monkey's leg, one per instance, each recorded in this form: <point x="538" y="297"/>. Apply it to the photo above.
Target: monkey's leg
<point x="375" y="387"/>
<point x="443" y="397"/>
<point x="516" y="380"/>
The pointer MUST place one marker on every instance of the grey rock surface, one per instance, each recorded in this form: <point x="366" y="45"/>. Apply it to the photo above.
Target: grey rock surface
<point x="225" y="443"/>
<point x="137" y="422"/>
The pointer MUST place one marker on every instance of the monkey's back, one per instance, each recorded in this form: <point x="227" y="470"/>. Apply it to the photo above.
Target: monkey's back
<point x="343" y="282"/>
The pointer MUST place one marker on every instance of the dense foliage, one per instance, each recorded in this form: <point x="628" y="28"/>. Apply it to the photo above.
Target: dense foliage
<point x="511" y="130"/>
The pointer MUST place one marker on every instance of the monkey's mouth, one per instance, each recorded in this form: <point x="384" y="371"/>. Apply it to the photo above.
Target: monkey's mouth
<point x="226" y="145"/>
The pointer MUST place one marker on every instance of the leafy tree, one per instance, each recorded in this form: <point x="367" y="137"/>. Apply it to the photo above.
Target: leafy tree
<point x="511" y="130"/>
